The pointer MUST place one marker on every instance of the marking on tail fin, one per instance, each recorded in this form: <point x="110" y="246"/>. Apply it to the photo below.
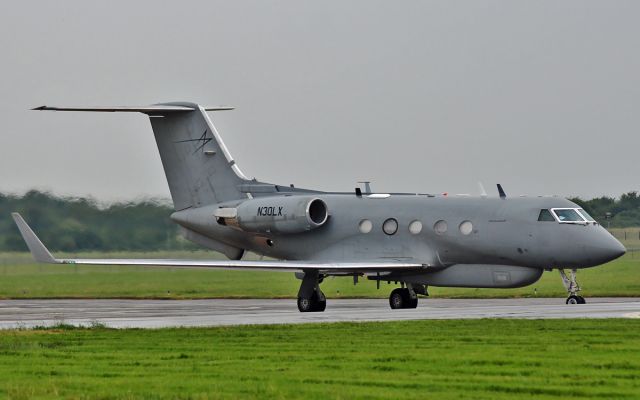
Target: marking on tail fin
<point x="203" y="139"/>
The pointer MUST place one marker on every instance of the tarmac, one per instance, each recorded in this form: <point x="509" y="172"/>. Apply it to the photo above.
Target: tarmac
<point x="223" y="312"/>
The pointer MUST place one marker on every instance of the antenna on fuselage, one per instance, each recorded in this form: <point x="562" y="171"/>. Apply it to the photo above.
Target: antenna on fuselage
<point x="367" y="186"/>
<point x="501" y="192"/>
<point x="483" y="193"/>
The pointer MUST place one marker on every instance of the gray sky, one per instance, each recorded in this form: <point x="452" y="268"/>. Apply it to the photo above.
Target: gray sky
<point x="430" y="96"/>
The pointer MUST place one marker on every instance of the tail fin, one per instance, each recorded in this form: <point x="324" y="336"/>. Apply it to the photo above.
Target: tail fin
<point x="197" y="164"/>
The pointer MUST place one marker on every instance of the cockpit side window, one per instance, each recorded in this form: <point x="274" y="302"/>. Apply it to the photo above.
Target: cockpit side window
<point x="545" y="215"/>
<point x="568" y="215"/>
<point x="586" y="215"/>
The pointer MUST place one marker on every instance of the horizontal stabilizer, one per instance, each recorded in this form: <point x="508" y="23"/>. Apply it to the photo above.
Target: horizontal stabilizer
<point x="41" y="254"/>
<point x="153" y="109"/>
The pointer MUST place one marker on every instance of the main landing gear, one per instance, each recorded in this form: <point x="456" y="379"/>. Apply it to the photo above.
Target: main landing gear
<point x="571" y="284"/>
<point x="405" y="297"/>
<point x="310" y="297"/>
<point x="316" y="303"/>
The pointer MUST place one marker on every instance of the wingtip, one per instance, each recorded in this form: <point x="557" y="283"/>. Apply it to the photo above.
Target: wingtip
<point x="38" y="250"/>
<point x="18" y="219"/>
<point x="40" y="108"/>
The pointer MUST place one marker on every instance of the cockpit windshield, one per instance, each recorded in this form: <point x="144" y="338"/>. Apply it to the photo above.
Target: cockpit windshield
<point x="586" y="215"/>
<point x="568" y="215"/>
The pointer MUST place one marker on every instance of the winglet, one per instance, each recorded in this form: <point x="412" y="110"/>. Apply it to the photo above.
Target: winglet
<point x="37" y="249"/>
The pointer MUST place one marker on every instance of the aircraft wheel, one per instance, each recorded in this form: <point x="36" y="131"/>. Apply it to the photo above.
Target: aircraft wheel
<point x="397" y="299"/>
<point x="321" y="305"/>
<point x="312" y="304"/>
<point x="305" y="304"/>
<point x="400" y="298"/>
<point x="408" y="301"/>
<point x="573" y="299"/>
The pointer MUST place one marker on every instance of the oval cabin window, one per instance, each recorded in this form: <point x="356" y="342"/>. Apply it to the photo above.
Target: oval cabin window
<point x="365" y="226"/>
<point x="390" y="226"/>
<point x="440" y="227"/>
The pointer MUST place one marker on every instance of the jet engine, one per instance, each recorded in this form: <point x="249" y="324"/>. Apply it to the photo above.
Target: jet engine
<point x="286" y="214"/>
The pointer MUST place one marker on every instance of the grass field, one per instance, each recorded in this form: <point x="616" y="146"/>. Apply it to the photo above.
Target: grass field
<point x="481" y="359"/>
<point x="21" y="278"/>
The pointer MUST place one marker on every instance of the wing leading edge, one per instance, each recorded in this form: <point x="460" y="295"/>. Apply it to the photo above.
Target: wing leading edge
<point x="41" y="254"/>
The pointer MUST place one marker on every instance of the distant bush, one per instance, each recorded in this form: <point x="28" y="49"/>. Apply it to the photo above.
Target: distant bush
<point x="624" y="212"/>
<point x="72" y="224"/>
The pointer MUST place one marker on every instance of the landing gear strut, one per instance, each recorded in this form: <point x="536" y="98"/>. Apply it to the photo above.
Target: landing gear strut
<point x="571" y="284"/>
<point x="310" y="297"/>
<point x="403" y="298"/>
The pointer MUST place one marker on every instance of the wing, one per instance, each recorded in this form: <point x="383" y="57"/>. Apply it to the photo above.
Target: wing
<point x="41" y="254"/>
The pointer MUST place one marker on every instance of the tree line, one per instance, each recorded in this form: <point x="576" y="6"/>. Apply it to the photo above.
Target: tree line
<point x="620" y="213"/>
<point x="73" y="224"/>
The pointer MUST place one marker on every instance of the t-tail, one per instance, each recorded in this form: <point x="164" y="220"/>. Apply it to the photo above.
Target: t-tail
<point x="197" y="164"/>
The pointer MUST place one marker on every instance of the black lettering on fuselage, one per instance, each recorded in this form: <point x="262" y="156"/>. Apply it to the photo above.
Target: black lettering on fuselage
<point x="270" y="211"/>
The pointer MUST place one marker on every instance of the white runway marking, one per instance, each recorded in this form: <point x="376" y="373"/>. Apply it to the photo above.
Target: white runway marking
<point x="173" y="313"/>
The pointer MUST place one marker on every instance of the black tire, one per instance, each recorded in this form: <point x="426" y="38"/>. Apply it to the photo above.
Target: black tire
<point x="397" y="299"/>
<point x="573" y="299"/>
<point x="305" y="304"/>
<point x="312" y="304"/>
<point x="408" y="301"/>
<point x="321" y="305"/>
<point x="581" y="300"/>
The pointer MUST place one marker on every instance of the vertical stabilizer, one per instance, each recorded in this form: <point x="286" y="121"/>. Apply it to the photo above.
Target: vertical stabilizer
<point x="197" y="164"/>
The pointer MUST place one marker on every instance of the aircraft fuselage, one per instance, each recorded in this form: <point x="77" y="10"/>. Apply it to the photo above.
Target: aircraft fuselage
<point x="437" y="231"/>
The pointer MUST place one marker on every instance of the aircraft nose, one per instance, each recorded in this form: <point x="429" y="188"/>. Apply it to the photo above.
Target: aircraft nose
<point x="605" y="248"/>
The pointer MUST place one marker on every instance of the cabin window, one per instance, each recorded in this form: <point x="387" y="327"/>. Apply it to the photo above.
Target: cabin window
<point x="568" y="215"/>
<point x="545" y="215"/>
<point x="586" y="215"/>
<point x="390" y="226"/>
<point x="466" y="227"/>
<point x="415" y="227"/>
<point x="440" y="227"/>
<point x="365" y="226"/>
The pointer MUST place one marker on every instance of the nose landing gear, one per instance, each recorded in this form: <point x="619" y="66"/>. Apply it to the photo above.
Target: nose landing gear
<point x="571" y="284"/>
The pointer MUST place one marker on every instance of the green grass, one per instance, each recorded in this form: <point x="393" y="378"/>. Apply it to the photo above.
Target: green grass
<point x="21" y="278"/>
<point x="481" y="359"/>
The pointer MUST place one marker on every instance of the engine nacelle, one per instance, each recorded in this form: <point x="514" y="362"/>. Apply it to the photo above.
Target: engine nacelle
<point x="286" y="214"/>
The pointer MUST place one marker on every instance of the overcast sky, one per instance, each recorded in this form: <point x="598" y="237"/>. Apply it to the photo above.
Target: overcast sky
<point x="428" y="96"/>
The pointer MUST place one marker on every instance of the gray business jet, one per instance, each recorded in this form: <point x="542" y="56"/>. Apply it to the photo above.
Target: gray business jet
<point x="416" y="240"/>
